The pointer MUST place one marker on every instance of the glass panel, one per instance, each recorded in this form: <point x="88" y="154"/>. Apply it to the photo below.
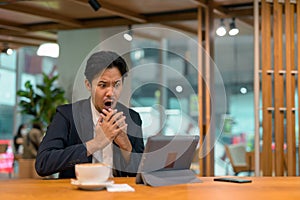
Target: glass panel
<point x="8" y="61"/>
<point x="160" y="81"/>
<point x="7" y="94"/>
<point x="236" y="66"/>
<point x="6" y="121"/>
<point x="8" y="87"/>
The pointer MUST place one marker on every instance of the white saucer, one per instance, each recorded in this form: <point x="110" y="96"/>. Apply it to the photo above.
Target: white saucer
<point x="91" y="186"/>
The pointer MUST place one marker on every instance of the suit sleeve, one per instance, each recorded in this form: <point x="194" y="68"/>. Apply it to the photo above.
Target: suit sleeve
<point x="60" y="149"/>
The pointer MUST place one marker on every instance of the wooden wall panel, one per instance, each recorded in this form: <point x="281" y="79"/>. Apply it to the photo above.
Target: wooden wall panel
<point x="290" y="89"/>
<point x="298" y="77"/>
<point x="266" y="89"/>
<point x="279" y="91"/>
<point x="282" y="96"/>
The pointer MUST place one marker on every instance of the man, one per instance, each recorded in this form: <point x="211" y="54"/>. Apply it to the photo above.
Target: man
<point x="98" y="129"/>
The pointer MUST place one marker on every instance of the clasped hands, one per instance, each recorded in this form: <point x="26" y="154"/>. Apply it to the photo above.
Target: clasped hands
<point x="110" y="127"/>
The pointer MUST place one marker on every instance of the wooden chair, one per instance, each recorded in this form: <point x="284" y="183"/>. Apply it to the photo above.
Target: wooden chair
<point x="237" y="157"/>
<point x="26" y="169"/>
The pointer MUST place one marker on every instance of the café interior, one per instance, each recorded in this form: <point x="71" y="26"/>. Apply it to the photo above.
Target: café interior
<point x="225" y="70"/>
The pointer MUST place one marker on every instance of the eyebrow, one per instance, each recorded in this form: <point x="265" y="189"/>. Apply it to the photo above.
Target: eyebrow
<point x="103" y="81"/>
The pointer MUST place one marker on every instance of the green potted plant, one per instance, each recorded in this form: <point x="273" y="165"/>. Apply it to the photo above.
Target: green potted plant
<point x="41" y="102"/>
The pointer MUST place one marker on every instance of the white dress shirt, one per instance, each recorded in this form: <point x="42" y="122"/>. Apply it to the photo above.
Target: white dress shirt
<point x="104" y="155"/>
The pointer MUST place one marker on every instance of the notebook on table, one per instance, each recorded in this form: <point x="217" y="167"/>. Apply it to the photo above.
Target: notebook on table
<point x="166" y="161"/>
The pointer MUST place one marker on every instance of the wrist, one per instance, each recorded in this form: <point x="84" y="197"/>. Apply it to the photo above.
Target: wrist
<point x="92" y="146"/>
<point x="127" y="147"/>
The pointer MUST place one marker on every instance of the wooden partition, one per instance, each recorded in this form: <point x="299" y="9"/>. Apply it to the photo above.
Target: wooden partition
<point x="200" y="91"/>
<point x="279" y="85"/>
<point x="205" y="72"/>
<point x="266" y="88"/>
<point x="298" y="74"/>
<point x="278" y="79"/>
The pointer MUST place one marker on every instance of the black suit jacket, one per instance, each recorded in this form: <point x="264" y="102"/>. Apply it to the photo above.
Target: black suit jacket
<point x="64" y="143"/>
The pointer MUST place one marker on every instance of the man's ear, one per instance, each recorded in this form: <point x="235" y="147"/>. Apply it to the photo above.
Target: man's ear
<point x="88" y="85"/>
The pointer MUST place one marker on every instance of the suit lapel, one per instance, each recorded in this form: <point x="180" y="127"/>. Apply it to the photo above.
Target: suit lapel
<point x="83" y="120"/>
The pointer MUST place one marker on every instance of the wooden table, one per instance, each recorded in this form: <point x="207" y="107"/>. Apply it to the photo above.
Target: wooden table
<point x="261" y="188"/>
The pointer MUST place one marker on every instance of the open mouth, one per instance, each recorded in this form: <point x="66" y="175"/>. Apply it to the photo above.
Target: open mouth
<point x="108" y="104"/>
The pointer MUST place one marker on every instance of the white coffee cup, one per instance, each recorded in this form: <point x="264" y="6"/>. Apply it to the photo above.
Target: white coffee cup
<point x="92" y="173"/>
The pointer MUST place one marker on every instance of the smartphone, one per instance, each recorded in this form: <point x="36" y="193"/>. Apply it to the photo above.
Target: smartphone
<point x="233" y="180"/>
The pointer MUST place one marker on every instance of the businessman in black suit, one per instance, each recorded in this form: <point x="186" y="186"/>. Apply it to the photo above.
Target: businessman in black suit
<point x="97" y="129"/>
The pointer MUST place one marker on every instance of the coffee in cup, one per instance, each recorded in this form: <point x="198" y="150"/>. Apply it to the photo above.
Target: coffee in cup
<point x="92" y="173"/>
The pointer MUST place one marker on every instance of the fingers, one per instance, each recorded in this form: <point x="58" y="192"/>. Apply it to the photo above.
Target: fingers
<point x="109" y="127"/>
<point x="112" y="123"/>
<point x="123" y="128"/>
<point x="108" y="114"/>
<point x="114" y="118"/>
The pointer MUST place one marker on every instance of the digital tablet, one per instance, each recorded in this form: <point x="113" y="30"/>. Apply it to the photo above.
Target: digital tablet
<point x="164" y="153"/>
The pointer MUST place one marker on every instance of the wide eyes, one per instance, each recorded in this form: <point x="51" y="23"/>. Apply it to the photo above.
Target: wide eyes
<point x="103" y="85"/>
<point x="117" y="84"/>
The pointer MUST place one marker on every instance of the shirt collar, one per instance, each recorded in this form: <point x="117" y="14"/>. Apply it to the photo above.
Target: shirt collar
<point x="95" y="113"/>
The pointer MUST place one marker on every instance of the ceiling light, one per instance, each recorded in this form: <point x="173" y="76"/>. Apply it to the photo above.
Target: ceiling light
<point x="243" y="90"/>
<point x="128" y="34"/>
<point x="233" y="29"/>
<point x="48" y="49"/>
<point x="221" y="31"/>
<point x="179" y="88"/>
<point x="7" y="51"/>
<point x="95" y="4"/>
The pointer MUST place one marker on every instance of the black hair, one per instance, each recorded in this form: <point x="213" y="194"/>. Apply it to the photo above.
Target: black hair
<point x="37" y="125"/>
<point x="19" y="129"/>
<point x="102" y="60"/>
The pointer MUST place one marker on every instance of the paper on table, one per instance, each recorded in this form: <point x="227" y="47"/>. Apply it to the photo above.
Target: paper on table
<point x="119" y="188"/>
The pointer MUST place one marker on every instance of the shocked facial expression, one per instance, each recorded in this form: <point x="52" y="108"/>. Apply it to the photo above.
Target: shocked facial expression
<point x="106" y="89"/>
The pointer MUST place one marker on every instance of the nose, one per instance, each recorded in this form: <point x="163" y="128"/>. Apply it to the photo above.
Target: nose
<point x="110" y="91"/>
